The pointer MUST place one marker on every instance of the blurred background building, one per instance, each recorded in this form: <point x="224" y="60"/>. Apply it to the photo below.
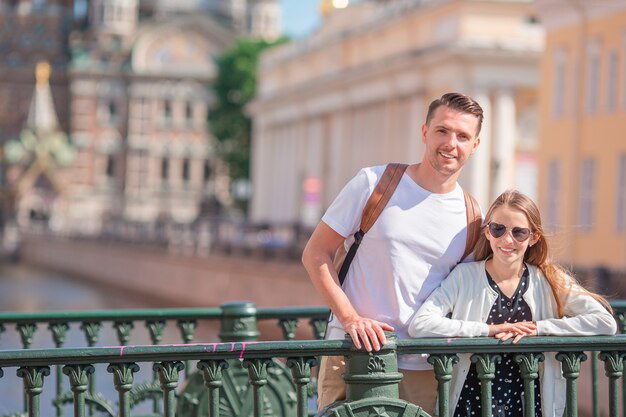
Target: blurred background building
<point x="582" y="156"/>
<point x="117" y="126"/>
<point x="355" y="93"/>
<point x="131" y="85"/>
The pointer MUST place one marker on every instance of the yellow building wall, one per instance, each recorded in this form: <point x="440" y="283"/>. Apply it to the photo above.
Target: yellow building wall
<point x="577" y="135"/>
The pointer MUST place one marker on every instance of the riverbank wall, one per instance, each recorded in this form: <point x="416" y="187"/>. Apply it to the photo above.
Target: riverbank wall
<point x="179" y="279"/>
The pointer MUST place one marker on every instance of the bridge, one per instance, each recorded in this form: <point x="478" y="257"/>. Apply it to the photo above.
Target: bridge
<point x="241" y="375"/>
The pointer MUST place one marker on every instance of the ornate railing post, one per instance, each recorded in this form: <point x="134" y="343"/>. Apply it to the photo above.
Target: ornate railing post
<point x="27" y="330"/>
<point x="570" y="362"/>
<point x="319" y="327"/>
<point x="168" y="376"/>
<point x="59" y="332"/>
<point x="288" y="327"/>
<point x="613" y="368"/>
<point x="92" y="334"/>
<point x="155" y="328"/>
<point x="372" y="385"/>
<point x="301" y="373"/>
<point x="257" y="371"/>
<point x="123" y="381"/>
<point x="33" y="377"/>
<point x="443" y="366"/>
<point x="529" y="368"/>
<point x="188" y="330"/>
<point x="123" y="330"/>
<point x="486" y="368"/>
<point x="212" y="375"/>
<point x="238" y="323"/>
<point x="79" y="382"/>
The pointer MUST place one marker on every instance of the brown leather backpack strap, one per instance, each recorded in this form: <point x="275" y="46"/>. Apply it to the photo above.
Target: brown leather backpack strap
<point x="474" y="223"/>
<point x="382" y="193"/>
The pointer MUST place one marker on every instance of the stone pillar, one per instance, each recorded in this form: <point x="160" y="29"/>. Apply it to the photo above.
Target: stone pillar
<point x="477" y="171"/>
<point x="505" y="128"/>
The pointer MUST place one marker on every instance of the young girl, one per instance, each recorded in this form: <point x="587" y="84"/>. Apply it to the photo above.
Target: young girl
<point x="511" y="291"/>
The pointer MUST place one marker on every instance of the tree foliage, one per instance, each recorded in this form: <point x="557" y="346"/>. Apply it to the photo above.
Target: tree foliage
<point x="234" y="87"/>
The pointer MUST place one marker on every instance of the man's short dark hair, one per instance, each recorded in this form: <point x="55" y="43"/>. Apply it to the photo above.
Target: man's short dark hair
<point x="459" y="102"/>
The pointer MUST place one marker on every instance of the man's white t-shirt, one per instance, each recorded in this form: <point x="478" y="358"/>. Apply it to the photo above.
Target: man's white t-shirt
<point x="410" y="249"/>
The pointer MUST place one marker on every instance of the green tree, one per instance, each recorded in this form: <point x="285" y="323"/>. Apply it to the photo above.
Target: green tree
<point x="234" y="87"/>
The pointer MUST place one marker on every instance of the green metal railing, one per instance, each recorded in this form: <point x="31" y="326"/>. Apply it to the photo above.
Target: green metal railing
<point x="237" y="322"/>
<point x="372" y="378"/>
<point x="239" y="376"/>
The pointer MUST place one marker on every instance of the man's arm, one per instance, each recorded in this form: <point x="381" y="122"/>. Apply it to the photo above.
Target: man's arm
<point x="317" y="258"/>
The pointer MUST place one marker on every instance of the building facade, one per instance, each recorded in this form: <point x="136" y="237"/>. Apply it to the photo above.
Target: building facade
<point x="356" y="92"/>
<point x="583" y="119"/>
<point x="131" y="82"/>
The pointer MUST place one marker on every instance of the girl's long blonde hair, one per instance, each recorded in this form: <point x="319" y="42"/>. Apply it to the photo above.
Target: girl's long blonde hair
<point x="537" y="254"/>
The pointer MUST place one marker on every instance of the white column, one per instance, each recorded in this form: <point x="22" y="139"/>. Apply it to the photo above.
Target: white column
<point x="417" y="117"/>
<point x="476" y="174"/>
<point x="505" y="129"/>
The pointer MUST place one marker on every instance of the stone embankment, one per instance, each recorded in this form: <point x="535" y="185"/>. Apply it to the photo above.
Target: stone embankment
<point x="176" y="278"/>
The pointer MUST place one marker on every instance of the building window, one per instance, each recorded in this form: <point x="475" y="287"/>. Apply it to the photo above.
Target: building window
<point x="558" y="93"/>
<point x="624" y="69"/>
<point x="206" y="174"/>
<point x="165" y="169"/>
<point x="553" y="194"/>
<point x="620" y="213"/>
<point x="110" y="167"/>
<point x="112" y="110"/>
<point x="189" y="113"/>
<point x="167" y="112"/>
<point x="186" y="169"/>
<point x="587" y="185"/>
<point x="593" y="76"/>
<point x="611" y="86"/>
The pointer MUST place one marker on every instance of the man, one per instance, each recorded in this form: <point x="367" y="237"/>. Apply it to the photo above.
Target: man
<point x="415" y="242"/>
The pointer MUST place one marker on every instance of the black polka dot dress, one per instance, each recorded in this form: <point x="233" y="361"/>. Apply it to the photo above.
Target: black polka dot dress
<point x="507" y="387"/>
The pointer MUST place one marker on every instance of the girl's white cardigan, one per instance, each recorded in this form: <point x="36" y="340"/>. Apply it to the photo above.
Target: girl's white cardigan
<point x="466" y="294"/>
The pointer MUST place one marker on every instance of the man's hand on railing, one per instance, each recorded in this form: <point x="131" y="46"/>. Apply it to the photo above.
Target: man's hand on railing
<point x="370" y="332"/>
<point x="518" y="330"/>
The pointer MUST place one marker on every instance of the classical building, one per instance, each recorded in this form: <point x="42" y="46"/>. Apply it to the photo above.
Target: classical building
<point x="355" y="93"/>
<point x="131" y="81"/>
<point x="583" y="119"/>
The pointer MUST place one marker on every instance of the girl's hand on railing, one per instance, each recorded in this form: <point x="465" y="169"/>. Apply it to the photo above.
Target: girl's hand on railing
<point x="518" y="330"/>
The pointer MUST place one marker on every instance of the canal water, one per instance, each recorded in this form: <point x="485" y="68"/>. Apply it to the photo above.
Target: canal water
<point x="27" y="288"/>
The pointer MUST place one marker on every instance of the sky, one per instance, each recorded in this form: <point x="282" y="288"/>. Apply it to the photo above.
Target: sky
<point x="300" y="17"/>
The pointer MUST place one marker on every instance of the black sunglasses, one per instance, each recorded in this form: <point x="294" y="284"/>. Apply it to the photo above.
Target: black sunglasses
<point x="519" y="233"/>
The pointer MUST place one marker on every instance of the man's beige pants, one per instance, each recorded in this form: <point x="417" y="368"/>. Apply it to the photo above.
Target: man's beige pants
<point x="417" y="387"/>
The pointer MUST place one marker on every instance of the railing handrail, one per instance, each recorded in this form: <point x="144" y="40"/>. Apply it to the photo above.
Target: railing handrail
<point x="299" y="348"/>
<point x="156" y="314"/>
<point x="262" y="313"/>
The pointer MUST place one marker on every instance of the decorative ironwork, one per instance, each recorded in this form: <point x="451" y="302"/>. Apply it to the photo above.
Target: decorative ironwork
<point x="614" y="369"/>
<point x="486" y="368"/>
<point x="27" y="330"/>
<point x="168" y="376"/>
<point x="570" y="362"/>
<point x="59" y="331"/>
<point x="443" y="366"/>
<point x="529" y="369"/>
<point x="156" y="327"/>
<point x="123" y="330"/>
<point x="376" y="365"/>
<point x="288" y="326"/>
<point x="301" y="373"/>
<point x="319" y="327"/>
<point x="92" y="331"/>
